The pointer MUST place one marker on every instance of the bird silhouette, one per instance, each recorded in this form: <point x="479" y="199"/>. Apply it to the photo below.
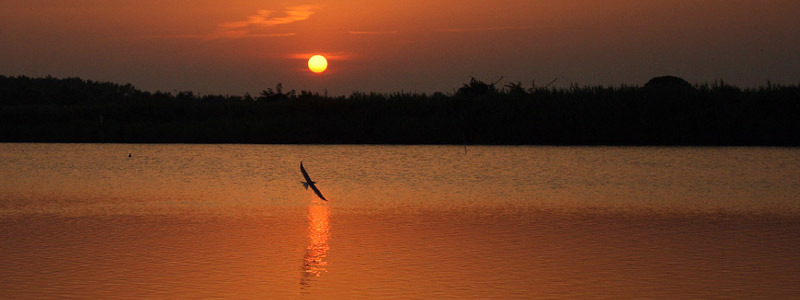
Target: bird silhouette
<point x="310" y="183"/>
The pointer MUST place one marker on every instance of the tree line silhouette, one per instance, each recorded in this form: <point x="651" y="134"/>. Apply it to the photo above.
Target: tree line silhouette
<point x="665" y="111"/>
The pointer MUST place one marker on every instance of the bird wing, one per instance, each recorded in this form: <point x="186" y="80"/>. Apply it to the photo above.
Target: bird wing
<point x="316" y="190"/>
<point x="310" y="183"/>
<point x="305" y="174"/>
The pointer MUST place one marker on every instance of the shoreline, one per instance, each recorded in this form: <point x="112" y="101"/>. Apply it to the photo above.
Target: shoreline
<point x="665" y="112"/>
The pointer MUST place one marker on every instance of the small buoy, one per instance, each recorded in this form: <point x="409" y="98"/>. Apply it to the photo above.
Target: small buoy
<point x="129" y="154"/>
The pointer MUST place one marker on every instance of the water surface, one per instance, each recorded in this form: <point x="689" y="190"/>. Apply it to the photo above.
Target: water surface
<point x="233" y="221"/>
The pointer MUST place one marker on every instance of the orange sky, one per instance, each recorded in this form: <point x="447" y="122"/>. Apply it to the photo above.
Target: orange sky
<point x="233" y="47"/>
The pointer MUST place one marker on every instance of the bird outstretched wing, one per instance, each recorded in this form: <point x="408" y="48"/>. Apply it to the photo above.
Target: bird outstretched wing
<point x="316" y="190"/>
<point x="305" y="174"/>
<point x="310" y="183"/>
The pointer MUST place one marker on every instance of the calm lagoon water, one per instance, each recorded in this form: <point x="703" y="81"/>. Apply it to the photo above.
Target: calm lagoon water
<point x="233" y="222"/>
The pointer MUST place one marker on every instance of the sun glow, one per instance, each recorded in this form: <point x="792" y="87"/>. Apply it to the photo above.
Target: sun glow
<point x="314" y="264"/>
<point x="318" y="64"/>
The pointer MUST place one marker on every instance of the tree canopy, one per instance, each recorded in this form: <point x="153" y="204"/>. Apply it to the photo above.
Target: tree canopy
<point x="666" y="111"/>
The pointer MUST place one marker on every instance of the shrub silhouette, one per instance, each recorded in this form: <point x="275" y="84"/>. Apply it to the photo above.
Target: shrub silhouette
<point x="476" y="88"/>
<point x="516" y="89"/>
<point x="668" y="84"/>
<point x="277" y="94"/>
<point x="75" y="110"/>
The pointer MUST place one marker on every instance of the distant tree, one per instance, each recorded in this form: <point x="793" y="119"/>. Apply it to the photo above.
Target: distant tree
<point x="476" y="88"/>
<point x="516" y="89"/>
<point x="668" y="84"/>
<point x="185" y="95"/>
<point x="277" y="94"/>
<point x="308" y="95"/>
<point x="248" y="97"/>
<point x="667" y="111"/>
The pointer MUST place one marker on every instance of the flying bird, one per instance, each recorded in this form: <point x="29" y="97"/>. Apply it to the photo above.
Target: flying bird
<point x="310" y="182"/>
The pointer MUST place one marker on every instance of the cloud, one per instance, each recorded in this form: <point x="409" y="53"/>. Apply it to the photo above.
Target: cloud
<point x="328" y="55"/>
<point x="372" y="32"/>
<point x="251" y="26"/>
<point x="481" y="29"/>
<point x="240" y="34"/>
<point x="229" y="34"/>
<point x="254" y="26"/>
<point x="267" y="18"/>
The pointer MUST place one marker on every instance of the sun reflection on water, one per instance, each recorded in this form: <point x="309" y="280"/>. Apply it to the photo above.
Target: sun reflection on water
<point x="314" y="264"/>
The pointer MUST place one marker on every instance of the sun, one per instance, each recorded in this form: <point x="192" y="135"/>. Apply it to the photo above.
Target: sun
<point x="318" y="64"/>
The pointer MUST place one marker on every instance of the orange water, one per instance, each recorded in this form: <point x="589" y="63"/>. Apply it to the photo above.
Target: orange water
<point x="230" y="221"/>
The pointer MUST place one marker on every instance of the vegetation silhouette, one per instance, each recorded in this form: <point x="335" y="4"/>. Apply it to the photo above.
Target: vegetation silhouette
<point x="477" y="88"/>
<point x="666" y="111"/>
<point x="669" y="84"/>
